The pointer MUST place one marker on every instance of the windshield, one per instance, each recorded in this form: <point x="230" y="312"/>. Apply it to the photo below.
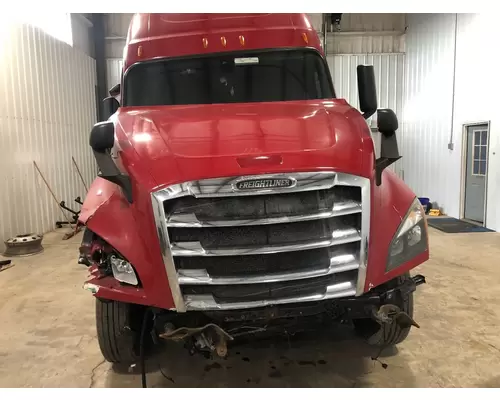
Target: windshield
<point x="281" y="75"/>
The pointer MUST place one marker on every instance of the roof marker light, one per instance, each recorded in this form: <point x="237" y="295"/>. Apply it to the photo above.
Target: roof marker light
<point x="304" y="36"/>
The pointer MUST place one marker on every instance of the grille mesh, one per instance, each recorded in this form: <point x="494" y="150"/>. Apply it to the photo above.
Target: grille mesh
<point x="286" y="204"/>
<point x="252" y="265"/>
<point x="256" y="292"/>
<point x="262" y="235"/>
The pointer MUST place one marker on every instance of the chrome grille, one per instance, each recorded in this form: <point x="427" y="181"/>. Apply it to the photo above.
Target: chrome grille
<point x="230" y="249"/>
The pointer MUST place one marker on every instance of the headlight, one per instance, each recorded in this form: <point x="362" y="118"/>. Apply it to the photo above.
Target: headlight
<point x="410" y="239"/>
<point x="123" y="271"/>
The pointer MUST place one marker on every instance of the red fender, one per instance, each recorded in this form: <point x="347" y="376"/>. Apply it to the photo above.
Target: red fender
<point x="390" y="203"/>
<point x="130" y="229"/>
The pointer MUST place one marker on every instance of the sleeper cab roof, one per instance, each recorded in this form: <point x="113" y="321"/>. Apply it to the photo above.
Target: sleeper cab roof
<point x="153" y="36"/>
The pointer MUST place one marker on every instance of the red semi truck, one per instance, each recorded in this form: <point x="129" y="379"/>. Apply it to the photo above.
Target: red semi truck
<point x="237" y="195"/>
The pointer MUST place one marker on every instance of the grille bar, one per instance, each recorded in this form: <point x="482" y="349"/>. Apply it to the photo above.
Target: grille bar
<point x="339" y="236"/>
<point x="222" y="187"/>
<point x="342" y="263"/>
<point x="208" y="302"/>
<point x="189" y="220"/>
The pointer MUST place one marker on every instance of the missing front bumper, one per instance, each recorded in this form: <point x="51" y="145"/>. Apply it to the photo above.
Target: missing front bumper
<point x="285" y="318"/>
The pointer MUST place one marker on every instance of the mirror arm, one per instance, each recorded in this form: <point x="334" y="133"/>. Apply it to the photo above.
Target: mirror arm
<point x="389" y="154"/>
<point x="389" y="145"/>
<point x="368" y="114"/>
<point x="110" y="172"/>
<point x="381" y="164"/>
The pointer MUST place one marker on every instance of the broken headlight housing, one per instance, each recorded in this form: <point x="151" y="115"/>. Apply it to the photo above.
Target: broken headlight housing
<point x="123" y="271"/>
<point x="410" y="239"/>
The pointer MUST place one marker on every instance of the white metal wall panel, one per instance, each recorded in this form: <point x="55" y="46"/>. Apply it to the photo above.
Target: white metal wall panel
<point x="448" y="85"/>
<point x="82" y="34"/>
<point x="46" y="113"/>
<point x="476" y="100"/>
<point x="116" y="28"/>
<point x="113" y="70"/>
<point x="368" y="33"/>
<point x="114" y="48"/>
<point x="116" y="24"/>
<point x="389" y="76"/>
<point x="373" y="22"/>
<point x="428" y="165"/>
<point x="337" y="43"/>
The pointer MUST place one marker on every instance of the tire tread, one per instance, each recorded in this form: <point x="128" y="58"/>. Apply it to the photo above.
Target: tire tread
<point x="116" y="339"/>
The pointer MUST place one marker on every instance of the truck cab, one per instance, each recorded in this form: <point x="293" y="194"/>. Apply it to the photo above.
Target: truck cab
<point x="235" y="190"/>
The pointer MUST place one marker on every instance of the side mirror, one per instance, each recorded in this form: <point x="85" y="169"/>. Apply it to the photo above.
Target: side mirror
<point x="387" y="124"/>
<point x="111" y="105"/>
<point x="102" y="139"/>
<point x="367" y="90"/>
<point x="102" y="136"/>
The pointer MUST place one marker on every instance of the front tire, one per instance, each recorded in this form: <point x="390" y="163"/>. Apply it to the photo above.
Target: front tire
<point x="117" y="332"/>
<point x="387" y="334"/>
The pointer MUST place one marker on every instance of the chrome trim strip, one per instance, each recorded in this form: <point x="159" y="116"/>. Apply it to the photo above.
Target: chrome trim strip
<point x="190" y="220"/>
<point x="223" y="187"/>
<point x="157" y="200"/>
<point x="188" y="249"/>
<point x="338" y="264"/>
<point x="364" y="183"/>
<point x="207" y="302"/>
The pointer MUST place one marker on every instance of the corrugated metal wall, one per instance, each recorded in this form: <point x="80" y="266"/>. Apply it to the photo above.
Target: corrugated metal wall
<point x="83" y="39"/>
<point x="476" y="98"/>
<point x="426" y="123"/>
<point x="389" y="75"/>
<point x="46" y="113"/>
<point x="117" y="24"/>
<point x="368" y="33"/>
<point x="116" y="28"/>
<point x="372" y="22"/>
<point x="362" y="44"/>
<point x="448" y="84"/>
<point x="113" y="71"/>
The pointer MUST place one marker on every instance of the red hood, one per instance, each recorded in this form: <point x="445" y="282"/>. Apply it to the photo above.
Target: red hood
<point x="193" y="142"/>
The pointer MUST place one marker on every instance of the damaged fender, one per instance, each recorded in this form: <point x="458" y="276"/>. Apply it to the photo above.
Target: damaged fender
<point x="128" y="228"/>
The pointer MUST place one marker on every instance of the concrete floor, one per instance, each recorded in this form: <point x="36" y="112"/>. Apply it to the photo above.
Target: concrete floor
<point x="48" y="334"/>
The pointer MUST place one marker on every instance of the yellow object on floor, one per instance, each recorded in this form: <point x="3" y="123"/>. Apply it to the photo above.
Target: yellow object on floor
<point x="434" y="212"/>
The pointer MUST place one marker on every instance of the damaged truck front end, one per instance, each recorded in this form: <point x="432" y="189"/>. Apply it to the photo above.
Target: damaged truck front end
<point x="228" y="266"/>
<point x="225" y="210"/>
